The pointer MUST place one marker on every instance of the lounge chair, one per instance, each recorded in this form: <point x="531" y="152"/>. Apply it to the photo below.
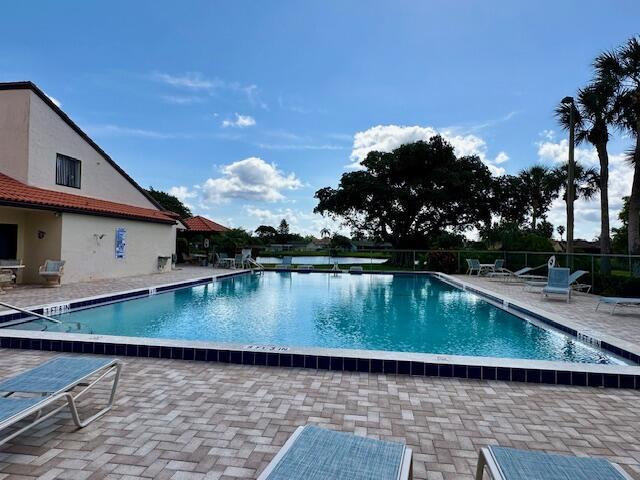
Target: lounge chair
<point x="355" y="269"/>
<point x="558" y="283"/>
<point x="512" y="464"/>
<point x="286" y="264"/>
<point x="573" y="278"/>
<point x="507" y="274"/>
<point x="314" y="453"/>
<point x="238" y="261"/>
<point x="52" y="271"/>
<point x="52" y="383"/>
<point x="305" y="268"/>
<point x="618" y="302"/>
<point x="473" y="265"/>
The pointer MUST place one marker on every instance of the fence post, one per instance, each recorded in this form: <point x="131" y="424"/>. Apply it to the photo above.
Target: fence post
<point x="526" y="259"/>
<point x="414" y="261"/>
<point x="459" y="266"/>
<point x="593" y="273"/>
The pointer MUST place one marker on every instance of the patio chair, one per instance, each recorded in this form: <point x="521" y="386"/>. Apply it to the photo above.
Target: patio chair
<point x="618" y="302"/>
<point x="507" y="274"/>
<point x="512" y="464"/>
<point x="355" y="269"/>
<point x="239" y="261"/>
<point x="50" y="384"/>
<point x="473" y="265"/>
<point x="314" y="453"/>
<point x="52" y="271"/>
<point x="286" y="264"/>
<point x="579" y="287"/>
<point x="558" y="283"/>
<point x="498" y="265"/>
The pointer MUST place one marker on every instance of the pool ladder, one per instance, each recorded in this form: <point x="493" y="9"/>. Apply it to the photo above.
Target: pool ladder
<point x="253" y="264"/>
<point x="23" y="310"/>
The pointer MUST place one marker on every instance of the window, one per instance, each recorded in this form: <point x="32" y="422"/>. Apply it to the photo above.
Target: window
<point x="67" y="171"/>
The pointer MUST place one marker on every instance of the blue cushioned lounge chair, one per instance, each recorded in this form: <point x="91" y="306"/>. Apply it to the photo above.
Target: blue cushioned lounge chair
<point x="473" y="265"/>
<point x="558" y="283"/>
<point x="286" y="264"/>
<point x="618" y="302"/>
<point x="511" y="464"/>
<point x="50" y="385"/>
<point x="314" y="453"/>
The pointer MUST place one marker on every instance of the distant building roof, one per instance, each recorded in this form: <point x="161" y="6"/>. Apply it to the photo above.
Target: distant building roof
<point x="203" y="224"/>
<point x="15" y="193"/>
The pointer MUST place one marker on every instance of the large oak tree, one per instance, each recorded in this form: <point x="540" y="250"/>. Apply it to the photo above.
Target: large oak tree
<point x="412" y="194"/>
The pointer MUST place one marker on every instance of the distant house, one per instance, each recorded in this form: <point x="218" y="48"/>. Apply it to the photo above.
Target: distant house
<point x="200" y="224"/>
<point x="371" y="245"/>
<point x="318" y="244"/>
<point x="579" y="246"/>
<point x="63" y="198"/>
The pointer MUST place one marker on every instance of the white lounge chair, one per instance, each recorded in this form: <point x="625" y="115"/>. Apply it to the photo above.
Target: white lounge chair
<point x="50" y="384"/>
<point x="52" y="271"/>
<point x="616" y="302"/>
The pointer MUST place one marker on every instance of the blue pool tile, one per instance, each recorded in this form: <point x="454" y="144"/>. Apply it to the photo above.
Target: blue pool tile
<point x="518" y="375"/>
<point x="563" y="378"/>
<point x="474" y="372"/>
<point x="627" y="381"/>
<point x="611" y="380"/>
<point x="445" y="370"/>
<point x="177" y="353"/>
<point x="131" y="350"/>
<point x="154" y="351"/>
<point x="310" y="361"/>
<point x="337" y="364"/>
<point x="248" y="358"/>
<point x="375" y="365"/>
<point x="298" y="361"/>
<point x="533" y="375"/>
<point x="324" y="363"/>
<point x="595" y="379"/>
<point x="503" y="374"/>
<point x="548" y="376"/>
<point x="88" y="347"/>
<point x="273" y="359"/>
<point x="364" y="365"/>
<point x="260" y="358"/>
<point x="35" y="344"/>
<point x="46" y="345"/>
<point x="579" y="379"/>
<point x="77" y="347"/>
<point x="143" y="351"/>
<point x="188" y="354"/>
<point x="404" y="368"/>
<point x="286" y="360"/>
<point x="417" y="368"/>
<point x="121" y="349"/>
<point x="223" y="356"/>
<point x="4" y="342"/>
<point x="235" y="356"/>
<point x="67" y="347"/>
<point x="212" y="355"/>
<point x="431" y="369"/>
<point x="460" y="371"/>
<point x="350" y="364"/>
<point x="165" y="352"/>
<point x="56" y="346"/>
<point x="201" y="354"/>
<point x="390" y="366"/>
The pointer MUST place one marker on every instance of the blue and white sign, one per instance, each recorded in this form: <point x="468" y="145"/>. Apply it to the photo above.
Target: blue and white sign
<point x="121" y="242"/>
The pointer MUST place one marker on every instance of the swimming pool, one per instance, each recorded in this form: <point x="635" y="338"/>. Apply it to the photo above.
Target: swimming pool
<point x="400" y="313"/>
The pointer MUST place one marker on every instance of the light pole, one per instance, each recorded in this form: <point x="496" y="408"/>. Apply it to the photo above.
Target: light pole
<point x="570" y="169"/>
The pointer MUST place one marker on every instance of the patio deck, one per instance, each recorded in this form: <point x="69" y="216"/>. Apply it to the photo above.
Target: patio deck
<point x="32" y="295"/>
<point x="186" y="420"/>
<point x="623" y="326"/>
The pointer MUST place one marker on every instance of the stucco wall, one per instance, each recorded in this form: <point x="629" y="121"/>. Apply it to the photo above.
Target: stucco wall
<point x="49" y="135"/>
<point x="14" y="133"/>
<point x="89" y="257"/>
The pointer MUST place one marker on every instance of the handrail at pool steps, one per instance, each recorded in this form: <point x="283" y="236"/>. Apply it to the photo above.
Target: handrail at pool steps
<point x="18" y="309"/>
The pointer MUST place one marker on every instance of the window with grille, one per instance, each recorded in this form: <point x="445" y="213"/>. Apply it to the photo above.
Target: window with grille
<point x="67" y="171"/>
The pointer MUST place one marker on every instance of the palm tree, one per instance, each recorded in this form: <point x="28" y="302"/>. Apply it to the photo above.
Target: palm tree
<point x="593" y="113"/>
<point x="586" y="181"/>
<point x="621" y="68"/>
<point x="561" y="230"/>
<point x="542" y="187"/>
<point x="325" y="233"/>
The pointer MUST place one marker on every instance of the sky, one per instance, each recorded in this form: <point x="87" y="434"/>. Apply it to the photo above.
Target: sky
<point x="244" y="109"/>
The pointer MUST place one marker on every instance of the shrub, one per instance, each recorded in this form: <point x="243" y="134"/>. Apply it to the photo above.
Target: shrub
<point x="445" y="262"/>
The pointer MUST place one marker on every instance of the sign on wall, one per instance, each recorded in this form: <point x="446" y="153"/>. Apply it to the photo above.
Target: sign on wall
<point x="121" y="242"/>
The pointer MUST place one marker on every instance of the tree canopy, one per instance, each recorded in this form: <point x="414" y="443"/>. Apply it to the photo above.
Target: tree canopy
<point x="416" y="192"/>
<point x="170" y="202"/>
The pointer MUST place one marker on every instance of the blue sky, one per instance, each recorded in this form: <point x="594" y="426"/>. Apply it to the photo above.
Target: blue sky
<point x="245" y="108"/>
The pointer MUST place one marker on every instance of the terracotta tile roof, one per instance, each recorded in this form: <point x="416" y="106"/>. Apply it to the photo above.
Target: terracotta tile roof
<point x="13" y="192"/>
<point x="203" y="224"/>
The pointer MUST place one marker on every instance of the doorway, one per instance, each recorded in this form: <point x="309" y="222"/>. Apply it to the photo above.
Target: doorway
<point x="8" y="241"/>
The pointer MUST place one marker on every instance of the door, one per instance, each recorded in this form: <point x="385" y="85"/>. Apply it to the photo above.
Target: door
<point x="8" y="241"/>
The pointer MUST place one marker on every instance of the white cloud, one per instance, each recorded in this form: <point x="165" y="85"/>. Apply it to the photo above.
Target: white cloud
<point x="55" y="101"/>
<point x="182" y="99"/>
<point x="118" y="131"/>
<point x="385" y="138"/>
<point x="251" y="178"/>
<point x="183" y="194"/>
<point x="241" y="121"/>
<point x="587" y="212"/>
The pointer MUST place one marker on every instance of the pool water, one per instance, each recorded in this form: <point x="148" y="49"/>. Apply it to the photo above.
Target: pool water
<point x="406" y="313"/>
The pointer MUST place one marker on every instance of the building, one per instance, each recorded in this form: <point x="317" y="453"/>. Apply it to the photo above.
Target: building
<point x="200" y="224"/>
<point x="63" y="198"/>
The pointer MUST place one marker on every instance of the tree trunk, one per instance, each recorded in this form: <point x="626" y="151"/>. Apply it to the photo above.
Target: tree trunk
<point x="605" y="238"/>
<point x="634" y="199"/>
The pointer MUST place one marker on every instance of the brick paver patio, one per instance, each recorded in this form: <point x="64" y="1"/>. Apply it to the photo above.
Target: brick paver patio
<point x="184" y="420"/>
